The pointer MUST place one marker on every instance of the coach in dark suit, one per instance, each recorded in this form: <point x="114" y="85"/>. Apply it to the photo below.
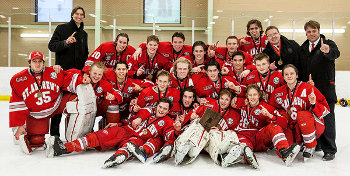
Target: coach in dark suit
<point x="317" y="56"/>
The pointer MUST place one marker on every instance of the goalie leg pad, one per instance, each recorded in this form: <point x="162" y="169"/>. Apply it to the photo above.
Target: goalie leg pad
<point x="81" y="123"/>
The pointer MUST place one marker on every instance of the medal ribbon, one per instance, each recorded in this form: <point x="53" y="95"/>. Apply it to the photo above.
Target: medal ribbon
<point x="41" y="80"/>
<point x="257" y="50"/>
<point x="291" y="100"/>
<point x="267" y="82"/>
<point x="278" y="51"/>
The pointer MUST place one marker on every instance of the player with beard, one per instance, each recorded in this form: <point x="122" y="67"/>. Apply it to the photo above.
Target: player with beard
<point x="255" y="42"/>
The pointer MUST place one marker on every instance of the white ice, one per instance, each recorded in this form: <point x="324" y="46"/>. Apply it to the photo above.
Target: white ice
<point x="14" y="162"/>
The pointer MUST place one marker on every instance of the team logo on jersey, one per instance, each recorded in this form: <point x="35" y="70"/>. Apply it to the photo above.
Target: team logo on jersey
<point x="99" y="89"/>
<point x="279" y="100"/>
<point x="186" y="53"/>
<point x="165" y="54"/>
<point x="279" y="94"/>
<point x="53" y="75"/>
<point x="161" y="123"/>
<point x="230" y="121"/>
<point x="208" y="87"/>
<point x="171" y="98"/>
<point x="148" y="98"/>
<point x="108" y="58"/>
<point x="257" y="111"/>
<point x="276" y="80"/>
<point x="250" y="77"/>
<point x="130" y="89"/>
<point x="20" y="79"/>
<point x="220" y="56"/>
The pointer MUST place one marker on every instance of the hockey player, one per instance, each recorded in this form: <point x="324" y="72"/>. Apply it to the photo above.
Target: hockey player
<point x="237" y="69"/>
<point x="128" y="87"/>
<point x="199" y="56"/>
<point x="149" y="63"/>
<point x="268" y="80"/>
<point x="181" y="78"/>
<point x="256" y="41"/>
<point x="149" y="96"/>
<point x="194" y="137"/>
<point x="261" y="127"/>
<point x="213" y="82"/>
<point x="155" y="123"/>
<point x="174" y="49"/>
<point x="110" y="52"/>
<point x="305" y="107"/>
<point x="186" y="105"/>
<point x="36" y="97"/>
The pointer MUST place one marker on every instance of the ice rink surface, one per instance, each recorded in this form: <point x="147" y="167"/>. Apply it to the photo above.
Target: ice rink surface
<point x="14" y="162"/>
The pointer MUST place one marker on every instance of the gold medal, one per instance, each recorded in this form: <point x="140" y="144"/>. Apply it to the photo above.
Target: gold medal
<point x="150" y="76"/>
<point x="290" y="112"/>
<point x="280" y="62"/>
<point x="39" y="94"/>
<point x="144" y="131"/>
<point x="264" y="96"/>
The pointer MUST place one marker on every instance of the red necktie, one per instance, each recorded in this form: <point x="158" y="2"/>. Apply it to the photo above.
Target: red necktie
<point x="312" y="46"/>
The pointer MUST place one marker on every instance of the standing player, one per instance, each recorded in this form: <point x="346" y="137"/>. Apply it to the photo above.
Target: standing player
<point x="256" y="41"/>
<point x="36" y="97"/>
<point x="155" y="123"/>
<point x="261" y="127"/>
<point x="281" y="50"/>
<point x="174" y="49"/>
<point x="149" y="63"/>
<point x="306" y="108"/>
<point x="268" y="80"/>
<point x="110" y="52"/>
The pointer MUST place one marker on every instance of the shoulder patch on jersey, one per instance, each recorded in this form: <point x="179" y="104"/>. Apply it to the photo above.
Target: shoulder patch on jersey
<point x="130" y="89"/>
<point x="257" y="111"/>
<point x="276" y="80"/>
<point x="20" y="79"/>
<point x="99" y="89"/>
<point x="171" y="98"/>
<point x="165" y="54"/>
<point x="250" y="77"/>
<point x="208" y="87"/>
<point x="220" y="56"/>
<point x="109" y="53"/>
<point x="53" y="75"/>
<point x="186" y="53"/>
<point x="279" y="101"/>
<point x="230" y="121"/>
<point x="161" y="123"/>
<point x="148" y="98"/>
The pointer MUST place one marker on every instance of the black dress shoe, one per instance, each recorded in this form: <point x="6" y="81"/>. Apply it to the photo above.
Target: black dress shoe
<point x="318" y="148"/>
<point x="328" y="156"/>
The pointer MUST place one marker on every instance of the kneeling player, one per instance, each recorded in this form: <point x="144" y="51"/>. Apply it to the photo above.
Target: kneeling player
<point x="154" y="124"/>
<point x="306" y="107"/>
<point x="260" y="128"/>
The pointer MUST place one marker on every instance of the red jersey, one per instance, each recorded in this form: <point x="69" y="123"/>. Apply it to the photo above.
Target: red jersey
<point x="166" y="49"/>
<point x="25" y="97"/>
<point x="127" y="90"/>
<point x="206" y="88"/>
<point x="152" y="126"/>
<point x="189" y="81"/>
<point x="267" y="84"/>
<point x="252" y="119"/>
<point x="107" y="54"/>
<point x="254" y="47"/>
<point x="222" y="54"/>
<point x="150" y="65"/>
<point x="282" y="97"/>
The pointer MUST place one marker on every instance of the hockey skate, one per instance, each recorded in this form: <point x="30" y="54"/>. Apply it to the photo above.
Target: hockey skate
<point x="138" y="152"/>
<point x="55" y="147"/>
<point x="24" y="144"/>
<point x="182" y="151"/>
<point x="232" y="157"/>
<point x="308" y="153"/>
<point x="163" y="154"/>
<point x="250" y="157"/>
<point x="289" y="154"/>
<point x="114" y="160"/>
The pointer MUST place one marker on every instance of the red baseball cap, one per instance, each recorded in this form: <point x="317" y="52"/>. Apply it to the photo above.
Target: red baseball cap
<point x="36" y="54"/>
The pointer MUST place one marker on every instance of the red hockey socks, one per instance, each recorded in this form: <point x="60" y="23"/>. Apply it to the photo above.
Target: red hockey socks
<point x="306" y="123"/>
<point x="90" y="140"/>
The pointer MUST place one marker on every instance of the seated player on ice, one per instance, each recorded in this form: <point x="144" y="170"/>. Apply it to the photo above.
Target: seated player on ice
<point x="36" y="97"/>
<point x="260" y="128"/>
<point x="305" y="106"/>
<point x="154" y="123"/>
<point x="194" y="137"/>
